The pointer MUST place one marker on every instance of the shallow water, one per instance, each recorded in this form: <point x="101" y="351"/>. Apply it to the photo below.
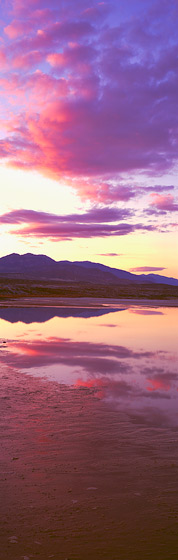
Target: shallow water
<point x="128" y="356"/>
<point x="89" y="423"/>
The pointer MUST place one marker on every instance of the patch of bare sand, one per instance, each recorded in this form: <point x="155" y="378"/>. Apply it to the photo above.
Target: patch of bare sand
<point x="80" y="481"/>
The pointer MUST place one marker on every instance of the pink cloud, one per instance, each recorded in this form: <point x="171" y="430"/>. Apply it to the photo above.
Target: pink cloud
<point x="102" y="103"/>
<point x="164" y="202"/>
<point x="55" y="59"/>
<point x="105" y="193"/>
<point x="97" y="12"/>
<point x="19" y="7"/>
<point x="75" y="57"/>
<point x="3" y="58"/>
<point x="25" y="61"/>
<point x="43" y="88"/>
<point x="68" y="31"/>
<point x="85" y="138"/>
<point x="17" y="28"/>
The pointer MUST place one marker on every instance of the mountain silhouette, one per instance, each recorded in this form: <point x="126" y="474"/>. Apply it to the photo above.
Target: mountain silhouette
<point x="42" y="267"/>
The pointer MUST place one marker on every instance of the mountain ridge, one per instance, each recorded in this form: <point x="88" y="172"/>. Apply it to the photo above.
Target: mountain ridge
<point x="30" y="265"/>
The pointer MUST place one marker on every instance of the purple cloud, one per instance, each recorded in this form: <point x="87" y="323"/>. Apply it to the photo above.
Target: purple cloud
<point x="163" y="203"/>
<point x="94" y="223"/>
<point x="94" y="215"/>
<point x="147" y="268"/>
<point x="109" y="254"/>
<point x="155" y="189"/>
<point x="109" y="105"/>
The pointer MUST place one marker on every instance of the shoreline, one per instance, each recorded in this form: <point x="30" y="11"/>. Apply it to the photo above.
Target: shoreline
<point x="87" y="302"/>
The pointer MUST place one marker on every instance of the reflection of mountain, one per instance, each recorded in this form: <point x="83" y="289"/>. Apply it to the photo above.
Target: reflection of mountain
<point x="42" y="314"/>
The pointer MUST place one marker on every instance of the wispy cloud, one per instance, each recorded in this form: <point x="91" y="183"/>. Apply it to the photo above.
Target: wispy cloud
<point x="147" y="268"/>
<point x="109" y="254"/>
<point x="97" y="222"/>
<point x="94" y="215"/>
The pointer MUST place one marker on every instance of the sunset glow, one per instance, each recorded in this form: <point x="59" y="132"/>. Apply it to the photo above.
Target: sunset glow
<point x="89" y="131"/>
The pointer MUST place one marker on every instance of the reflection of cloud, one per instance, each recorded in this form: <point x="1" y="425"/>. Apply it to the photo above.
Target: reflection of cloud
<point x="162" y="380"/>
<point x="107" y="387"/>
<point x="156" y="384"/>
<point x="149" y="415"/>
<point x="115" y="390"/>
<point x="146" y="311"/>
<point x="156" y="394"/>
<point x="126" y="379"/>
<point x="93" y="358"/>
<point x="105" y="364"/>
<point x="159" y="373"/>
<point x="110" y="325"/>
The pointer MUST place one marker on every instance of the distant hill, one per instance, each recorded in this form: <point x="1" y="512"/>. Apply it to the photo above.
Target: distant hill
<point x="158" y="279"/>
<point x="116" y="272"/>
<point x="30" y="266"/>
<point x="43" y="267"/>
<point x="124" y="275"/>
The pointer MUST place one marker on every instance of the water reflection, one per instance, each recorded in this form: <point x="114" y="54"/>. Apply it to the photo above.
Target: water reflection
<point x="133" y="368"/>
<point x="29" y="315"/>
<point x="146" y="312"/>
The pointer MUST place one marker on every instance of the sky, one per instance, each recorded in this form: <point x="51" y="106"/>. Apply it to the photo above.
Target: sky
<point x="88" y="131"/>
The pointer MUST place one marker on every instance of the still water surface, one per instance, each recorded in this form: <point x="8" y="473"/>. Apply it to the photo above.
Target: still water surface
<point x="89" y="423"/>
<point x="129" y="356"/>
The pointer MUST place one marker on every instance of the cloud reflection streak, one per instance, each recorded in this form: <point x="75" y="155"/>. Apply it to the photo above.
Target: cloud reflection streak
<point x="126" y="378"/>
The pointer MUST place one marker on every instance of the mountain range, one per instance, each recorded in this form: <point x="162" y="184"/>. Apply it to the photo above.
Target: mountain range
<point x="43" y="267"/>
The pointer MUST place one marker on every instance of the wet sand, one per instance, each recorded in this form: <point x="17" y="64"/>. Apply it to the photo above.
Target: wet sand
<point x="80" y="481"/>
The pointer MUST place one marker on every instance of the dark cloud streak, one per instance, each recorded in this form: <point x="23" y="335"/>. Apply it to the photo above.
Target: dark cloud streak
<point x="94" y="223"/>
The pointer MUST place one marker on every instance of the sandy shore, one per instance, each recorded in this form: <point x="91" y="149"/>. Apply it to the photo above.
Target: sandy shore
<point x="80" y="481"/>
<point x="87" y="302"/>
